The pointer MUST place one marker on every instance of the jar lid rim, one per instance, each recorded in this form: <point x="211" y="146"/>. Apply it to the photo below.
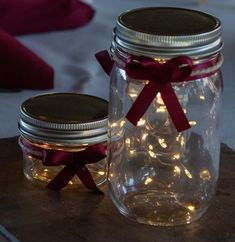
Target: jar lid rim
<point x="50" y="116"/>
<point x="146" y="29"/>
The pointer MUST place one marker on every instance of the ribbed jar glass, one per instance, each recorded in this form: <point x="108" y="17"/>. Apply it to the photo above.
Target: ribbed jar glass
<point x="157" y="174"/>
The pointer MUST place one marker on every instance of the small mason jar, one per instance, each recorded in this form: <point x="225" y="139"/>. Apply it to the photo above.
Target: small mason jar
<point x="163" y="159"/>
<point x="64" y="125"/>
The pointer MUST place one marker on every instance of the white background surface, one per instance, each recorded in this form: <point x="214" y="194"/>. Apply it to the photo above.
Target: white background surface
<point x="71" y="54"/>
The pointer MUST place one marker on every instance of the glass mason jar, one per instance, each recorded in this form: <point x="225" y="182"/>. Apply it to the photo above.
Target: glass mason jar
<point x="159" y="172"/>
<point x="64" y="125"/>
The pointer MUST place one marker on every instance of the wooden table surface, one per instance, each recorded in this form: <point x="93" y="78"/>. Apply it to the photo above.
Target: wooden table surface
<point x="33" y="214"/>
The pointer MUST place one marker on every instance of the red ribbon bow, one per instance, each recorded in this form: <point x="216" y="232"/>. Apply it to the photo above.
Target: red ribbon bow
<point x="160" y="77"/>
<point x="74" y="165"/>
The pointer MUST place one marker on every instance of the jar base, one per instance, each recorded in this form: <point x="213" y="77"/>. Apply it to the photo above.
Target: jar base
<point x="42" y="180"/>
<point x="160" y="209"/>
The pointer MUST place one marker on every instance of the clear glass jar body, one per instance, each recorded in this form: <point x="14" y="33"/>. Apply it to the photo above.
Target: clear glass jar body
<point x="41" y="175"/>
<point x="157" y="175"/>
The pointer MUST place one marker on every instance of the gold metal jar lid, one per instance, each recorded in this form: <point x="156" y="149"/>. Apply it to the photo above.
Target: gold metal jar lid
<point x="64" y="118"/>
<point x="167" y="31"/>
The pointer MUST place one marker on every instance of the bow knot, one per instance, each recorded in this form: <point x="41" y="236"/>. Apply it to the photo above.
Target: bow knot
<point x="160" y="77"/>
<point x="145" y="68"/>
<point x="75" y="164"/>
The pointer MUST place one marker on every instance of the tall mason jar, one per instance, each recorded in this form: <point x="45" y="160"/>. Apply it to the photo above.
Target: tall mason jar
<point x="161" y="173"/>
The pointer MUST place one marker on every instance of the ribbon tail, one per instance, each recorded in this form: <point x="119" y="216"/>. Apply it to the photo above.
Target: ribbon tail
<point x="142" y="102"/>
<point x="61" y="179"/>
<point x="87" y="180"/>
<point x="105" y="61"/>
<point x="174" y="108"/>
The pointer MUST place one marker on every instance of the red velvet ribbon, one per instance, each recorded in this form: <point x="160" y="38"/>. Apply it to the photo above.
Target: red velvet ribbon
<point x="160" y="77"/>
<point x="74" y="162"/>
<point x="105" y="61"/>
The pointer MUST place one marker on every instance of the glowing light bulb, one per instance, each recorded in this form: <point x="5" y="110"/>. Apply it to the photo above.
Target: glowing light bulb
<point x="192" y="123"/>
<point x="177" y="170"/>
<point x="132" y="152"/>
<point x="162" y="142"/>
<point x="152" y="154"/>
<point x="161" y="61"/>
<point x="188" y="218"/>
<point x="205" y="175"/>
<point x="161" y="109"/>
<point x="176" y="156"/>
<point x="122" y="123"/>
<point x="113" y="125"/>
<point x="133" y="94"/>
<point x="128" y="142"/>
<point x="110" y="176"/>
<point x="148" y="180"/>
<point x="144" y="136"/>
<point x="191" y="208"/>
<point x="159" y="99"/>
<point x="188" y="174"/>
<point x="141" y="122"/>
<point x="182" y="142"/>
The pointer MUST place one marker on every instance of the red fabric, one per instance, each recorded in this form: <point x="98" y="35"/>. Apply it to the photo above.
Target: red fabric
<point x="19" y="17"/>
<point x="19" y="66"/>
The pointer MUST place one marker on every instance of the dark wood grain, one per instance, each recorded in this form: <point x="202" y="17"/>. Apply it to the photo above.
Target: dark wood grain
<point x="34" y="214"/>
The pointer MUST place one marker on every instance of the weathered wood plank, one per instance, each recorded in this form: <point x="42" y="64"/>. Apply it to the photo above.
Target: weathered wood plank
<point x="33" y="214"/>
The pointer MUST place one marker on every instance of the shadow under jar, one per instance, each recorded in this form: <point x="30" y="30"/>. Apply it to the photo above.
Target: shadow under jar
<point x="56" y="129"/>
<point x="163" y="169"/>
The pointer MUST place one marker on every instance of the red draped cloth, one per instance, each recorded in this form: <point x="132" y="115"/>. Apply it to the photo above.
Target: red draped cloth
<point x="19" y="66"/>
